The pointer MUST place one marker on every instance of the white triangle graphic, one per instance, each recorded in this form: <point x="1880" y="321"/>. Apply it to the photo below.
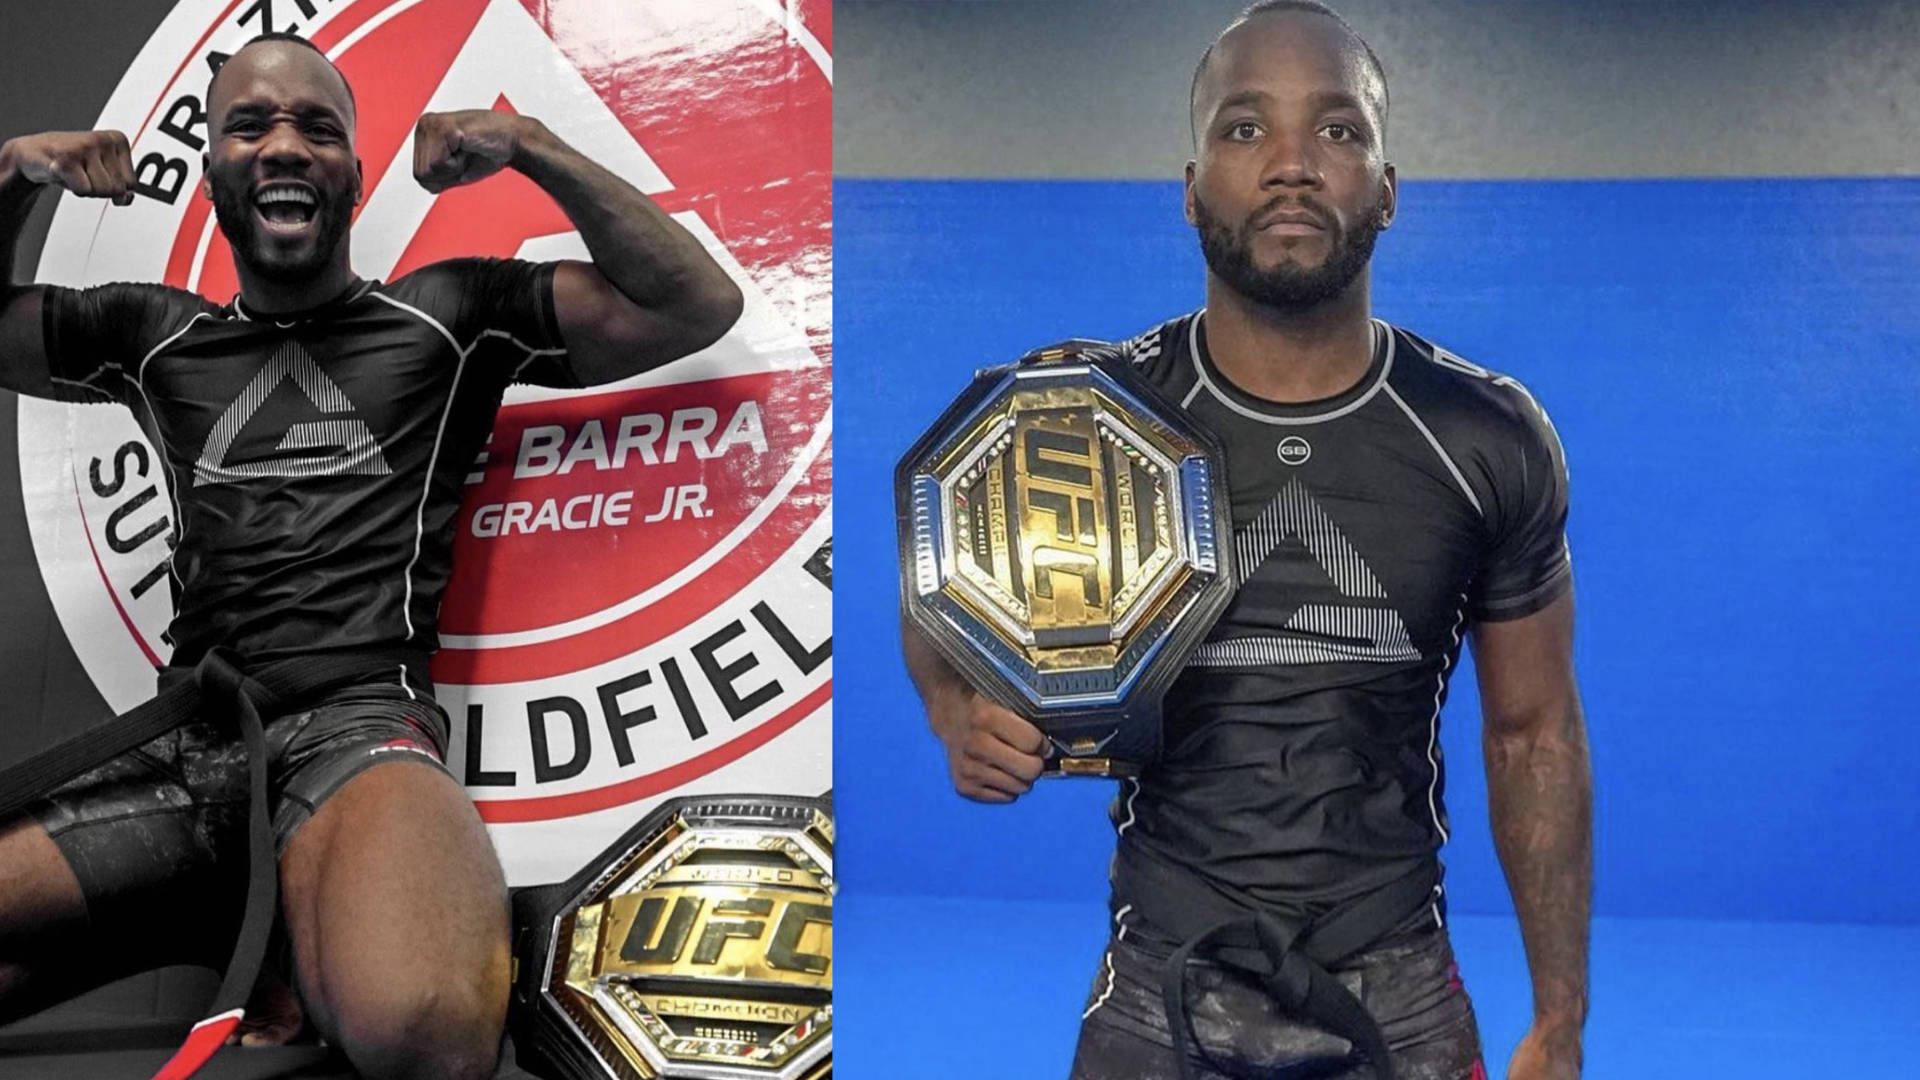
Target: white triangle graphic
<point x="1329" y="632"/>
<point x="343" y="446"/>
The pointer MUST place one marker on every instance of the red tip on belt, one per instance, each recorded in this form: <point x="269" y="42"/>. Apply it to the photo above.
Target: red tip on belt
<point x="207" y="1037"/>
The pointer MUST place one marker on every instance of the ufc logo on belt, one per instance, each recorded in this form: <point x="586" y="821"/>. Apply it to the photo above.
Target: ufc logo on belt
<point x="688" y="931"/>
<point x="1064" y="511"/>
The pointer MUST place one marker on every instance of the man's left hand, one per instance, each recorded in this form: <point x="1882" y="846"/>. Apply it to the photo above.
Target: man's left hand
<point x="454" y="148"/>
<point x="1547" y="1053"/>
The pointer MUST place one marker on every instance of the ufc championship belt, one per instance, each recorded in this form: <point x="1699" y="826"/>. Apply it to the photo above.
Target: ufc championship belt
<point x="698" y="946"/>
<point x="1062" y="546"/>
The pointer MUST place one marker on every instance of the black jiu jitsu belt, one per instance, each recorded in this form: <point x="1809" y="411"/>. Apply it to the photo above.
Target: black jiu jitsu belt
<point x="219" y="689"/>
<point x="1291" y="961"/>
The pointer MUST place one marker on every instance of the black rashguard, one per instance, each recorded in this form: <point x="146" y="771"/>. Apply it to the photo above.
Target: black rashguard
<point x="316" y="460"/>
<point x="1302" y="764"/>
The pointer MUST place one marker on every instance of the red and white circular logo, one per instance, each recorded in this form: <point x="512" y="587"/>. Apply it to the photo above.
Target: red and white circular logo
<point x="641" y="600"/>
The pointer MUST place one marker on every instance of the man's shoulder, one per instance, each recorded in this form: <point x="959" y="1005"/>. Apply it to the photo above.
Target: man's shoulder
<point x="1433" y="378"/>
<point x="472" y="289"/>
<point x="462" y="271"/>
<point x="1158" y="341"/>
<point x="155" y="298"/>
<point x="1139" y="348"/>
<point x="432" y="281"/>
<point x="123" y="320"/>
<point x="1150" y="352"/>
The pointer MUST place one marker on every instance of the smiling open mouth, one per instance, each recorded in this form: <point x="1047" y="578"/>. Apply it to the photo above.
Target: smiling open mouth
<point x="285" y="208"/>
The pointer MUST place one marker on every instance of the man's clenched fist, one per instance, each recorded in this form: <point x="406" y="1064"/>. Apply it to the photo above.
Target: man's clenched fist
<point x="96" y="164"/>
<point x="454" y="148"/>
<point x="994" y="755"/>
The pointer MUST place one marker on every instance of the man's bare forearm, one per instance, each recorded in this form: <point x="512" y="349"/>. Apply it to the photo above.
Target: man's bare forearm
<point x="1540" y="787"/>
<point x="17" y="196"/>
<point x="936" y="680"/>
<point x="23" y="365"/>
<point x="651" y="258"/>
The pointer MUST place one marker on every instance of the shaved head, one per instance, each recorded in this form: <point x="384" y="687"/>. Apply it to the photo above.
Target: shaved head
<point x="275" y="41"/>
<point x="1374" y="76"/>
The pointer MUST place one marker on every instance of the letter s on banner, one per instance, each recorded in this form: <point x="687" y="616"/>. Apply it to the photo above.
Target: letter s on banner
<point x="534" y="613"/>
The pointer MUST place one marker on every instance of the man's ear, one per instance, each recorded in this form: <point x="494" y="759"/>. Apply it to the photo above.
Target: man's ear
<point x="1187" y="196"/>
<point x="1390" y="199"/>
<point x="206" y="178"/>
<point x="359" y="181"/>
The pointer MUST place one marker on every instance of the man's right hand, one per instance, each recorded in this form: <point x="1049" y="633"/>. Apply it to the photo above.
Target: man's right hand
<point x="95" y="164"/>
<point x="994" y="755"/>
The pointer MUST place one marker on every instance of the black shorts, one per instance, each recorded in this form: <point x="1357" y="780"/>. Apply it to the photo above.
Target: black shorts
<point x="158" y="836"/>
<point x="1408" y="982"/>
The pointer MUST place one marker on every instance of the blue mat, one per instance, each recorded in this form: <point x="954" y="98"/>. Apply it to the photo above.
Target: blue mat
<point x="932" y="988"/>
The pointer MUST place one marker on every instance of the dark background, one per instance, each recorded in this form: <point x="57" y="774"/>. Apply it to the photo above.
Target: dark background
<point x="58" y="64"/>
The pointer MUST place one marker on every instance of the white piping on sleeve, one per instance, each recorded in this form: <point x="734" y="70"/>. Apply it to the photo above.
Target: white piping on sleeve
<point x="433" y="460"/>
<point x="439" y="435"/>
<point x="1438" y="449"/>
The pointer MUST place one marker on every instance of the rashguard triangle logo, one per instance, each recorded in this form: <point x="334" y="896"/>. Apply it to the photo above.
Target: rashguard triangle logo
<point x="1322" y="633"/>
<point x="339" y="445"/>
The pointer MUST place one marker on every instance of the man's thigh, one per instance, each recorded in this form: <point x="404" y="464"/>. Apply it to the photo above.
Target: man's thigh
<point x="393" y="896"/>
<point x="52" y="946"/>
<point x="120" y="870"/>
<point x="141" y="861"/>
<point x="40" y="903"/>
<point x="1409" y="984"/>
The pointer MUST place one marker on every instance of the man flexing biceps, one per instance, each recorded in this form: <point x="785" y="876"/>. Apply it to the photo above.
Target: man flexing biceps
<point x="316" y="432"/>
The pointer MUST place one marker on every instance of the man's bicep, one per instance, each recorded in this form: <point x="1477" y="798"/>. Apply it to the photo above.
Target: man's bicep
<point x="610" y="337"/>
<point x="1525" y="666"/>
<point x="23" y="346"/>
<point x="81" y="345"/>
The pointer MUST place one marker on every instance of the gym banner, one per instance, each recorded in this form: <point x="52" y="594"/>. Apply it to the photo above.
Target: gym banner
<point x="641" y="600"/>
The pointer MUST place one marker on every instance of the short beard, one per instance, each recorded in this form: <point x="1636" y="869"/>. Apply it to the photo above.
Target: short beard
<point x="1287" y="287"/>
<point x="234" y="211"/>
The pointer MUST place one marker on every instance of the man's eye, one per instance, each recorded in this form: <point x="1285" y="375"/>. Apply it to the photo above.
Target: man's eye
<point x="1341" y="132"/>
<point x="244" y="127"/>
<point x="1243" y="131"/>
<point x="324" y="131"/>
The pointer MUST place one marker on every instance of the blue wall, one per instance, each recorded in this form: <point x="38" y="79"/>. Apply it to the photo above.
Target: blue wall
<point x="1734" y="367"/>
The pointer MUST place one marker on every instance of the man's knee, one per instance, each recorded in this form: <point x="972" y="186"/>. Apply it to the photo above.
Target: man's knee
<point x="446" y="1031"/>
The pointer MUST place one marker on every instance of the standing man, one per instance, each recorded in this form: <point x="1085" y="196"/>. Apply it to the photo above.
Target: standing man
<point x="315" y="433"/>
<point x="1388" y="497"/>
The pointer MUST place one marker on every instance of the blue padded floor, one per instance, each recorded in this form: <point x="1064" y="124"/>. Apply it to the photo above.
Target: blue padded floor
<point x="1000" y="984"/>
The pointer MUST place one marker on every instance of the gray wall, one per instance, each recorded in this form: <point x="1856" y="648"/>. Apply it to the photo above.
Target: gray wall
<point x="1481" y="88"/>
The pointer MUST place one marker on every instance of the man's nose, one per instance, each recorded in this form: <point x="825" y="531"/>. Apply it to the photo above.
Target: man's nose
<point x="1290" y="163"/>
<point x="284" y="145"/>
